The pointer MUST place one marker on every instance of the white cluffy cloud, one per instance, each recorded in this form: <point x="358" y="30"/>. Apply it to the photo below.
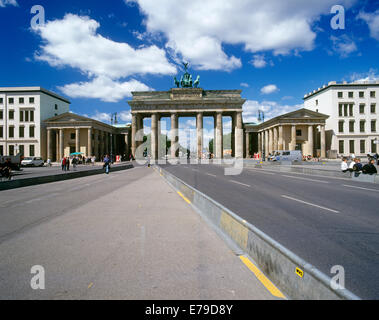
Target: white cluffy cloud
<point x="198" y="30"/>
<point x="372" y="20"/>
<point x="271" y="88"/>
<point x="343" y="46"/>
<point x="74" y="42"/>
<point x="4" y="3"/>
<point x="259" y="61"/>
<point x="103" y="88"/>
<point x="271" y="109"/>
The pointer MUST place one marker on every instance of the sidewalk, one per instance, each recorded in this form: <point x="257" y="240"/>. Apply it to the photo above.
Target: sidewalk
<point x="142" y="241"/>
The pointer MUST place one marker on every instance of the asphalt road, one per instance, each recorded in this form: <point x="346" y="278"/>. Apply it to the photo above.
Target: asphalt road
<point x="325" y="221"/>
<point x="126" y="235"/>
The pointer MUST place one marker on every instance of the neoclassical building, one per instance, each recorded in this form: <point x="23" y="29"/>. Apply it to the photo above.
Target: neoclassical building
<point x="68" y="133"/>
<point x="298" y="130"/>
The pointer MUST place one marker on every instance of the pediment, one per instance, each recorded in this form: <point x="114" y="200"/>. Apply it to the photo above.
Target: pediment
<point x="304" y="114"/>
<point x="67" y="117"/>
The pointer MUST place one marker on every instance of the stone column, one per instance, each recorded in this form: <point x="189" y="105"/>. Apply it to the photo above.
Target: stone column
<point x="154" y="136"/>
<point x="101" y="134"/>
<point x="126" y="140"/>
<point x="96" y="143"/>
<point x="322" y="142"/>
<point x="134" y="134"/>
<point x="77" y="140"/>
<point x="266" y="133"/>
<point x="247" y="144"/>
<point x="106" y="142"/>
<point x="174" y="135"/>
<point x="280" y="139"/>
<point x="219" y="136"/>
<point x="239" y="135"/>
<point x="293" y="138"/>
<point x="89" y="147"/>
<point x="61" y="143"/>
<point x="199" y="131"/>
<point x="233" y="135"/>
<point x="50" y="144"/>
<point x="275" y="130"/>
<point x="260" y="144"/>
<point x="310" y="140"/>
<point x="270" y="140"/>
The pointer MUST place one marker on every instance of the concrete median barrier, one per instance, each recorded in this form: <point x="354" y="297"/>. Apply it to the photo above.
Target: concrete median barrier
<point x="19" y="183"/>
<point x="294" y="276"/>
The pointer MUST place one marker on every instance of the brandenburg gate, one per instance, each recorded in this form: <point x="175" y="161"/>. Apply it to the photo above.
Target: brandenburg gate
<point x="187" y="100"/>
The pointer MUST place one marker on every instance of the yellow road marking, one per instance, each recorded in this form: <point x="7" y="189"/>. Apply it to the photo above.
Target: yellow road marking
<point x="90" y="285"/>
<point x="262" y="278"/>
<point x="184" y="198"/>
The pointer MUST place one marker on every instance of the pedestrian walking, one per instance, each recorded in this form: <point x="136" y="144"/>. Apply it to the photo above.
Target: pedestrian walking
<point x="63" y="164"/>
<point x="68" y="164"/>
<point x="74" y="163"/>
<point x="107" y="164"/>
<point x="93" y="159"/>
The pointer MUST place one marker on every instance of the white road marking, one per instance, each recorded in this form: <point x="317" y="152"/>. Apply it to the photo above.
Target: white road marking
<point x="262" y="171"/>
<point x="243" y="184"/>
<point x="212" y="175"/>
<point x="345" y="185"/>
<point x="304" y="179"/>
<point x="310" y="204"/>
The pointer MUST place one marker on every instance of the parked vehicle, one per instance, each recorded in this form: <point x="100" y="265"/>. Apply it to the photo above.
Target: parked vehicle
<point x="15" y="161"/>
<point x="32" y="162"/>
<point x="287" y="155"/>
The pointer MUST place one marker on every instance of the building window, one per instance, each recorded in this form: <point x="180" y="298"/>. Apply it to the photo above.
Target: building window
<point x="21" y="100"/>
<point x="340" y="107"/>
<point x="341" y="146"/>
<point x="351" y="126"/>
<point x="362" y="125"/>
<point x="21" y="116"/>
<point x="21" y="150"/>
<point x="316" y="102"/>
<point x="11" y="150"/>
<point x="26" y="116"/>
<point x="31" y="100"/>
<point x="351" y="114"/>
<point x="373" y="108"/>
<point x="56" y="107"/>
<point x="361" y="94"/>
<point x="373" y="146"/>
<point x="31" y="115"/>
<point x="72" y="136"/>
<point x="340" y="94"/>
<point x="11" y="115"/>
<point x="11" y="132"/>
<point x="31" y="132"/>
<point x="372" y="94"/>
<point x="345" y="109"/>
<point x="351" y="94"/>
<point x="31" y="150"/>
<point x="1" y="132"/>
<point x="340" y="126"/>
<point x="363" y="146"/>
<point x="298" y="133"/>
<point x="373" y="125"/>
<point x="11" y="100"/>
<point x="351" y="146"/>
<point x="362" y="108"/>
<point x="1" y="100"/>
<point x="21" y="131"/>
<point x="1" y="150"/>
<point x="1" y="115"/>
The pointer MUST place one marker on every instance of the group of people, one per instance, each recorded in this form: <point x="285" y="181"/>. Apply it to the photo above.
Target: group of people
<point x="6" y="170"/>
<point x="65" y="162"/>
<point x="357" y="167"/>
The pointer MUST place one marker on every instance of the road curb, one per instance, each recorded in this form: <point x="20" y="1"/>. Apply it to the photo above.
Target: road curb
<point x="294" y="276"/>
<point x="19" y="183"/>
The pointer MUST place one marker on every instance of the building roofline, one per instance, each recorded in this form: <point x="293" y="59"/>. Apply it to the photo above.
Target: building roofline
<point x="334" y="84"/>
<point x="33" y="89"/>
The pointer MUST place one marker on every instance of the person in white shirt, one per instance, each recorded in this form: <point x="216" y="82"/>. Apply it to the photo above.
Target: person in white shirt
<point x="344" y="166"/>
<point x="351" y="166"/>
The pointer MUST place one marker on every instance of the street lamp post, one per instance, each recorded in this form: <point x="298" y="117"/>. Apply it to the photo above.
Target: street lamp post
<point x="113" y="121"/>
<point x="261" y="118"/>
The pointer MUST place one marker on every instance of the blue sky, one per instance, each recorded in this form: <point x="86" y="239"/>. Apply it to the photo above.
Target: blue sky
<point x="97" y="52"/>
